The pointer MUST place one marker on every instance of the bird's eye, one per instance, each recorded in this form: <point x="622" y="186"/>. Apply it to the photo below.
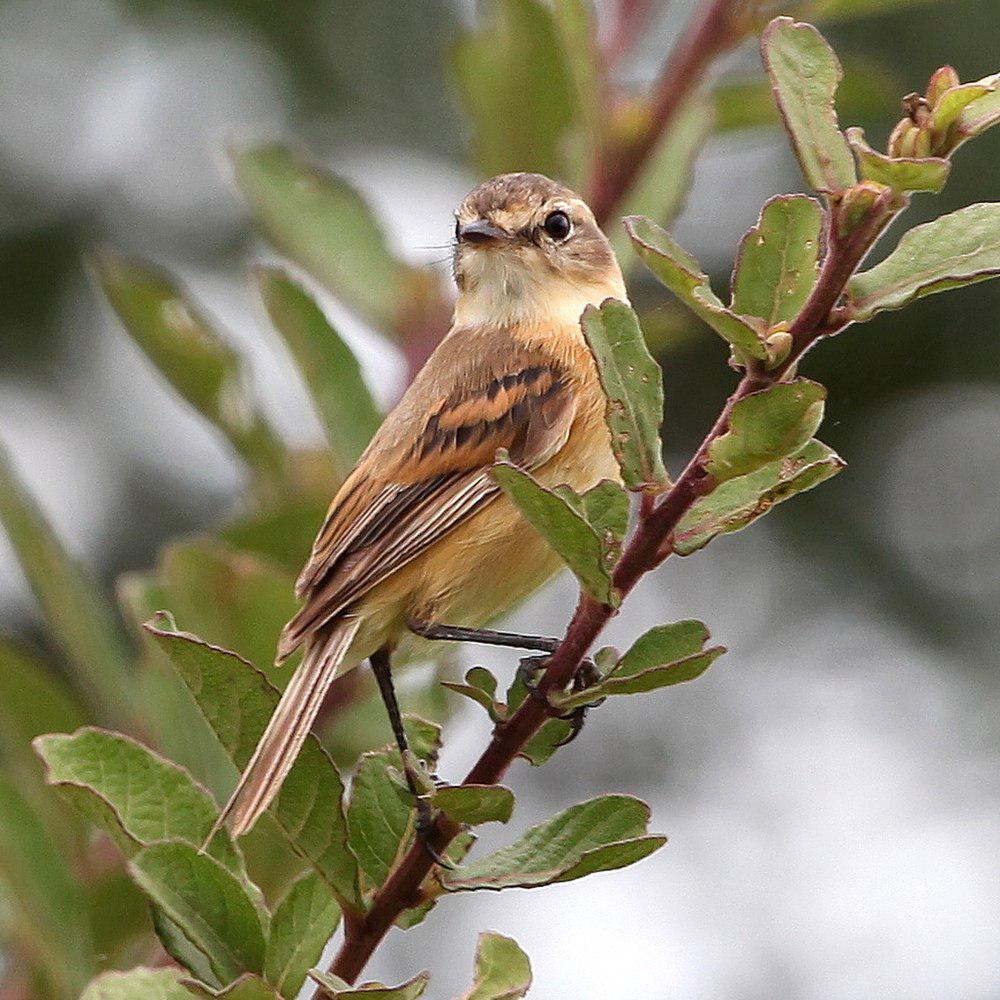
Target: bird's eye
<point x="557" y="225"/>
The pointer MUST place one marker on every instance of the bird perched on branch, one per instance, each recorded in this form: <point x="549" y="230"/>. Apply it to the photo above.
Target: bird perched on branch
<point x="419" y="538"/>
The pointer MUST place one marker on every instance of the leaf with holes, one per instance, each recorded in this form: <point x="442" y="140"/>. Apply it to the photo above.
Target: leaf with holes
<point x="674" y="267"/>
<point x="633" y="386"/>
<point x="776" y="266"/>
<point x="953" y="250"/>
<point x="738" y="502"/>
<point x="599" y="835"/>
<point x="804" y="73"/>
<point x="765" y="426"/>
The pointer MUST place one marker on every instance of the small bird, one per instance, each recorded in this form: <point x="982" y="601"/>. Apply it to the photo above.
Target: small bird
<point x="419" y="538"/>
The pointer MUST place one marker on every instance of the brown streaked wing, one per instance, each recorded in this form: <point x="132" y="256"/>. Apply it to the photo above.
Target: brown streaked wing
<point x="440" y="479"/>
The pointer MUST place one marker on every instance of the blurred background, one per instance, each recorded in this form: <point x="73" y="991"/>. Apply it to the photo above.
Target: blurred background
<point x="831" y="789"/>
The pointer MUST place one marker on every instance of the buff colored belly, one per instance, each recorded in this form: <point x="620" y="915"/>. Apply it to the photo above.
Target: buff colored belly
<point x="485" y="566"/>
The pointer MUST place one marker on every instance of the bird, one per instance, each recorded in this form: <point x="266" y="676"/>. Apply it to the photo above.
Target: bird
<point x="419" y="539"/>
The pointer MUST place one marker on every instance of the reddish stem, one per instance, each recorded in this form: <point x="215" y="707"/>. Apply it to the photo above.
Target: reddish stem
<point x="648" y="547"/>
<point x="716" y="27"/>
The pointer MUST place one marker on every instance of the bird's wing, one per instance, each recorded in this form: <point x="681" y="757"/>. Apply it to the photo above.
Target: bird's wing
<point x="437" y="476"/>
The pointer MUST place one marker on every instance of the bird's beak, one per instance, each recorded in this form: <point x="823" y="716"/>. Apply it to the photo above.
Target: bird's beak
<point x="482" y="233"/>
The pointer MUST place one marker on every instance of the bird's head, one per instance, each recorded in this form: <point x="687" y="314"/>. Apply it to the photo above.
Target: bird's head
<point x="527" y="248"/>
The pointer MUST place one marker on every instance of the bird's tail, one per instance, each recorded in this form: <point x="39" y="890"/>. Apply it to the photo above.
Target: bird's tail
<point x="285" y="733"/>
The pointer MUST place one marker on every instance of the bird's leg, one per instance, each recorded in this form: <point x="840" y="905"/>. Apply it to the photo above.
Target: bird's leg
<point x="586" y="675"/>
<point x="381" y="667"/>
<point x="486" y="636"/>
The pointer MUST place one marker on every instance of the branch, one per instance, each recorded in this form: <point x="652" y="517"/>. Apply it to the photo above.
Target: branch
<point x="717" y="26"/>
<point x="649" y="546"/>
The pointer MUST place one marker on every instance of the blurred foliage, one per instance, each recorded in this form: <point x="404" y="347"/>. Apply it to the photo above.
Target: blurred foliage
<point x="529" y="78"/>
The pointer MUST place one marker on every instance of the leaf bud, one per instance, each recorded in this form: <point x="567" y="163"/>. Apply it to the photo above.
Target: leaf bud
<point x="779" y="345"/>
<point x="856" y="203"/>
<point x="941" y="80"/>
<point x="922" y="143"/>
<point x="903" y="138"/>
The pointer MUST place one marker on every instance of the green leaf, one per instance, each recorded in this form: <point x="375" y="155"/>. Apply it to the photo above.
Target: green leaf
<point x="191" y="355"/>
<point x="957" y="249"/>
<point x="474" y="804"/>
<point x="983" y="113"/>
<point x="672" y="265"/>
<point x="804" y="74"/>
<point x="604" y="507"/>
<point x="481" y="687"/>
<point x="659" y="676"/>
<point x="326" y="227"/>
<point x="836" y="10"/>
<point x="575" y="22"/>
<point x="549" y="737"/>
<point x="662" y="644"/>
<point x="283" y="534"/>
<point x="80" y="619"/>
<point x="767" y="425"/>
<point x="663" y="656"/>
<point x="49" y="918"/>
<point x="517" y="89"/>
<point x="381" y="813"/>
<point x="33" y="700"/>
<point x="237" y="701"/>
<point x="232" y="599"/>
<point x="207" y="902"/>
<point x="633" y="387"/>
<point x="247" y="987"/>
<point x="502" y="970"/>
<point x="601" y="834"/>
<point x="747" y="102"/>
<point x="563" y="527"/>
<point x="738" y="502"/>
<point x="660" y="189"/>
<point x="900" y="173"/>
<point x="455" y="854"/>
<point x="327" y="364"/>
<point x="136" y="984"/>
<point x="303" y="922"/>
<point x="133" y="794"/>
<point x="337" y="989"/>
<point x="776" y="266"/>
<point x="953" y="102"/>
